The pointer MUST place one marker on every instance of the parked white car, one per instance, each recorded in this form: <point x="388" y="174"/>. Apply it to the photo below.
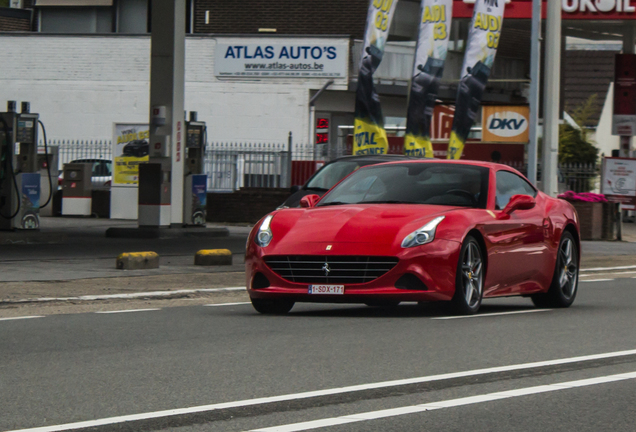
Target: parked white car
<point x="102" y="176"/>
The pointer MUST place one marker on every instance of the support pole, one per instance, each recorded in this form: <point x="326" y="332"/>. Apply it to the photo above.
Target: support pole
<point x="551" y="96"/>
<point x="628" y="48"/>
<point x="167" y="118"/>
<point x="535" y="68"/>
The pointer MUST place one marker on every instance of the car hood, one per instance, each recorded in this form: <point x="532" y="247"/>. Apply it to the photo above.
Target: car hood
<point x="380" y="227"/>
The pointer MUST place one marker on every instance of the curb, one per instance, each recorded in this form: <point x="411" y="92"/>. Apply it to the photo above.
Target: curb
<point x="166" y="233"/>
<point x="137" y="261"/>
<point x="213" y="257"/>
<point x="140" y="295"/>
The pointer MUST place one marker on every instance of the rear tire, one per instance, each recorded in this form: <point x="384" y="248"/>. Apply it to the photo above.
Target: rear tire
<point x="469" y="282"/>
<point x="272" y="307"/>
<point x="565" y="281"/>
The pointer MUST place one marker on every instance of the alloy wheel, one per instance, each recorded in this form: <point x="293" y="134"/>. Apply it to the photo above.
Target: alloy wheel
<point x="472" y="274"/>
<point x="568" y="268"/>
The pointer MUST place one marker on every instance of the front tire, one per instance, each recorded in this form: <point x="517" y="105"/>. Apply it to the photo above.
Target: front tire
<point x="272" y="307"/>
<point x="565" y="281"/>
<point x="469" y="282"/>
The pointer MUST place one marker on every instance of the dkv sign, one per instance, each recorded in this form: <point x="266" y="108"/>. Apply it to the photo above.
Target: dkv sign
<point x="505" y="124"/>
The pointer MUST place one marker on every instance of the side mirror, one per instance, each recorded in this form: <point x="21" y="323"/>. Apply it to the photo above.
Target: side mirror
<point x="309" y="201"/>
<point x="295" y="189"/>
<point x="519" y="202"/>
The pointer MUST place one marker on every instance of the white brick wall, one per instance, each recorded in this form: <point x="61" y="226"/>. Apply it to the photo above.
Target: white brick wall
<point x="80" y="85"/>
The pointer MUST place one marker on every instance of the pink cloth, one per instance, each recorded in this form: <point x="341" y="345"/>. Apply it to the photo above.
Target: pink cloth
<point x="584" y="196"/>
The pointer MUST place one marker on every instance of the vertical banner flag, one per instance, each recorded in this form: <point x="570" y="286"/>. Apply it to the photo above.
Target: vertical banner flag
<point x="369" y="133"/>
<point x="430" y="55"/>
<point x="483" y="39"/>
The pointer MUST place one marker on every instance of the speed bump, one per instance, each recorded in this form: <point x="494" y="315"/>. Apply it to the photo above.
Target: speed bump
<point x="138" y="260"/>
<point x="212" y="257"/>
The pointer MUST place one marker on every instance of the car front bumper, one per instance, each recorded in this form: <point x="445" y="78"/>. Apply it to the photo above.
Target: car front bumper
<point x="434" y="264"/>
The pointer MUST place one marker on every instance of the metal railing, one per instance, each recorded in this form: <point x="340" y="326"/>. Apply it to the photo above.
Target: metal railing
<point x="231" y="166"/>
<point x="577" y="177"/>
<point x="71" y="150"/>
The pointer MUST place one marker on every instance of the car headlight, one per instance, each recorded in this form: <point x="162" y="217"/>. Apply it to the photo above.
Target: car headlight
<point x="424" y="235"/>
<point x="264" y="234"/>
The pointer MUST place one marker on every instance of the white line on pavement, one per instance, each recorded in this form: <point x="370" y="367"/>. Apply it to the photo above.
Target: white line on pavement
<point x="126" y="296"/>
<point x="227" y="304"/>
<point x="22" y="317"/>
<point x="492" y="314"/>
<point x="608" y="268"/>
<point x="595" y="280"/>
<point x="374" y="415"/>
<point x="127" y="310"/>
<point x="316" y="393"/>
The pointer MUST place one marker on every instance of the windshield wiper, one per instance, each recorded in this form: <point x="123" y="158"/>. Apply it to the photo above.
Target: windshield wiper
<point x="332" y="203"/>
<point x="316" y="188"/>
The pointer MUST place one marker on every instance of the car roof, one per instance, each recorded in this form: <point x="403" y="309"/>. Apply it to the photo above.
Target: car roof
<point x="484" y="164"/>
<point x="373" y="158"/>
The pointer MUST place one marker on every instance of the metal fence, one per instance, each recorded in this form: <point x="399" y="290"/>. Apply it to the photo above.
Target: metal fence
<point x="570" y="176"/>
<point x="71" y="150"/>
<point x="229" y="166"/>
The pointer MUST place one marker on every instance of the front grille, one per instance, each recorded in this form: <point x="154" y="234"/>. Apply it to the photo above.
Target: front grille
<point x="341" y="269"/>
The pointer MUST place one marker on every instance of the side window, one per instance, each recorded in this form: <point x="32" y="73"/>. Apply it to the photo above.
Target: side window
<point x="508" y="185"/>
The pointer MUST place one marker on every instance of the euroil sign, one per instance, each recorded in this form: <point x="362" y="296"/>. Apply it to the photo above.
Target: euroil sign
<point x="505" y="124"/>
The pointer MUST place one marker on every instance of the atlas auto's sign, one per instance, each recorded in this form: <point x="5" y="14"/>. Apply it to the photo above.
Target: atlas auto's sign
<point x="282" y="58"/>
<point x="505" y="124"/>
<point x="572" y="9"/>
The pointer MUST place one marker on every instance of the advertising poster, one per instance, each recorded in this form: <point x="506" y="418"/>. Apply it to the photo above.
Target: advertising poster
<point x="505" y="124"/>
<point x="199" y="198"/>
<point x="430" y="56"/>
<point x="619" y="180"/>
<point x="369" y="133"/>
<point x="30" y="200"/>
<point x="130" y="148"/>
<point x="483" y="40"/>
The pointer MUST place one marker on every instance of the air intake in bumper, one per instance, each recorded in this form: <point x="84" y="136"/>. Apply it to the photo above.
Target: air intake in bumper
<point x="330" y="269"/>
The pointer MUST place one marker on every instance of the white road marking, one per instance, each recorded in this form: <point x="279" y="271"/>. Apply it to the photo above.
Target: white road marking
<point x="595" y="280"/>
<point x="326" y="392"/>
<point x="127" y="310"/>
<point x="126" y="296"/>
<point x="227" y="304"/>
<point x="20" y="318"/>
<point x="491" y="314"/>
<point x="608" y="268"/>
<point x="374" y="415"/>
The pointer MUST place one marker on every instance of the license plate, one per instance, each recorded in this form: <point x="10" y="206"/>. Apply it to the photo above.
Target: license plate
<point x="326" y="289"/>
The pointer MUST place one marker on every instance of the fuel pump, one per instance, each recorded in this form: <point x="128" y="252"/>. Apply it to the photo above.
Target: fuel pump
<point x="195" y="183"/>
<point x="19" y="173"/>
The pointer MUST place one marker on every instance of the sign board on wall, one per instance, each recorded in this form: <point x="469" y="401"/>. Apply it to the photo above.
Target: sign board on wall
<point x="506" y="124"/>
<point x="130" y="148"/>
<point x="572" y="9"/>
<point x="282" y="58"/>
<point x="619" y="180"/>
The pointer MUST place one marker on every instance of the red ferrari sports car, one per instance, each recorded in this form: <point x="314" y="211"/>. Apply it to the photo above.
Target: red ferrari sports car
<point x="425" y="230"/>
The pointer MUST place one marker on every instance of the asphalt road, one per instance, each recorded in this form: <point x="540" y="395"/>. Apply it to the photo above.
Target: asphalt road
<point x="61" y="369"/>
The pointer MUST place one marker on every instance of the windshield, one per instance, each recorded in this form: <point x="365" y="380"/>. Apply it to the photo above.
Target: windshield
<point x="332" y="174"/>
<point x="414" y="183"/>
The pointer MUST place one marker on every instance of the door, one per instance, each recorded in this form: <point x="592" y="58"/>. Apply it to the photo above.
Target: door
<point x="517" y="247"/>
